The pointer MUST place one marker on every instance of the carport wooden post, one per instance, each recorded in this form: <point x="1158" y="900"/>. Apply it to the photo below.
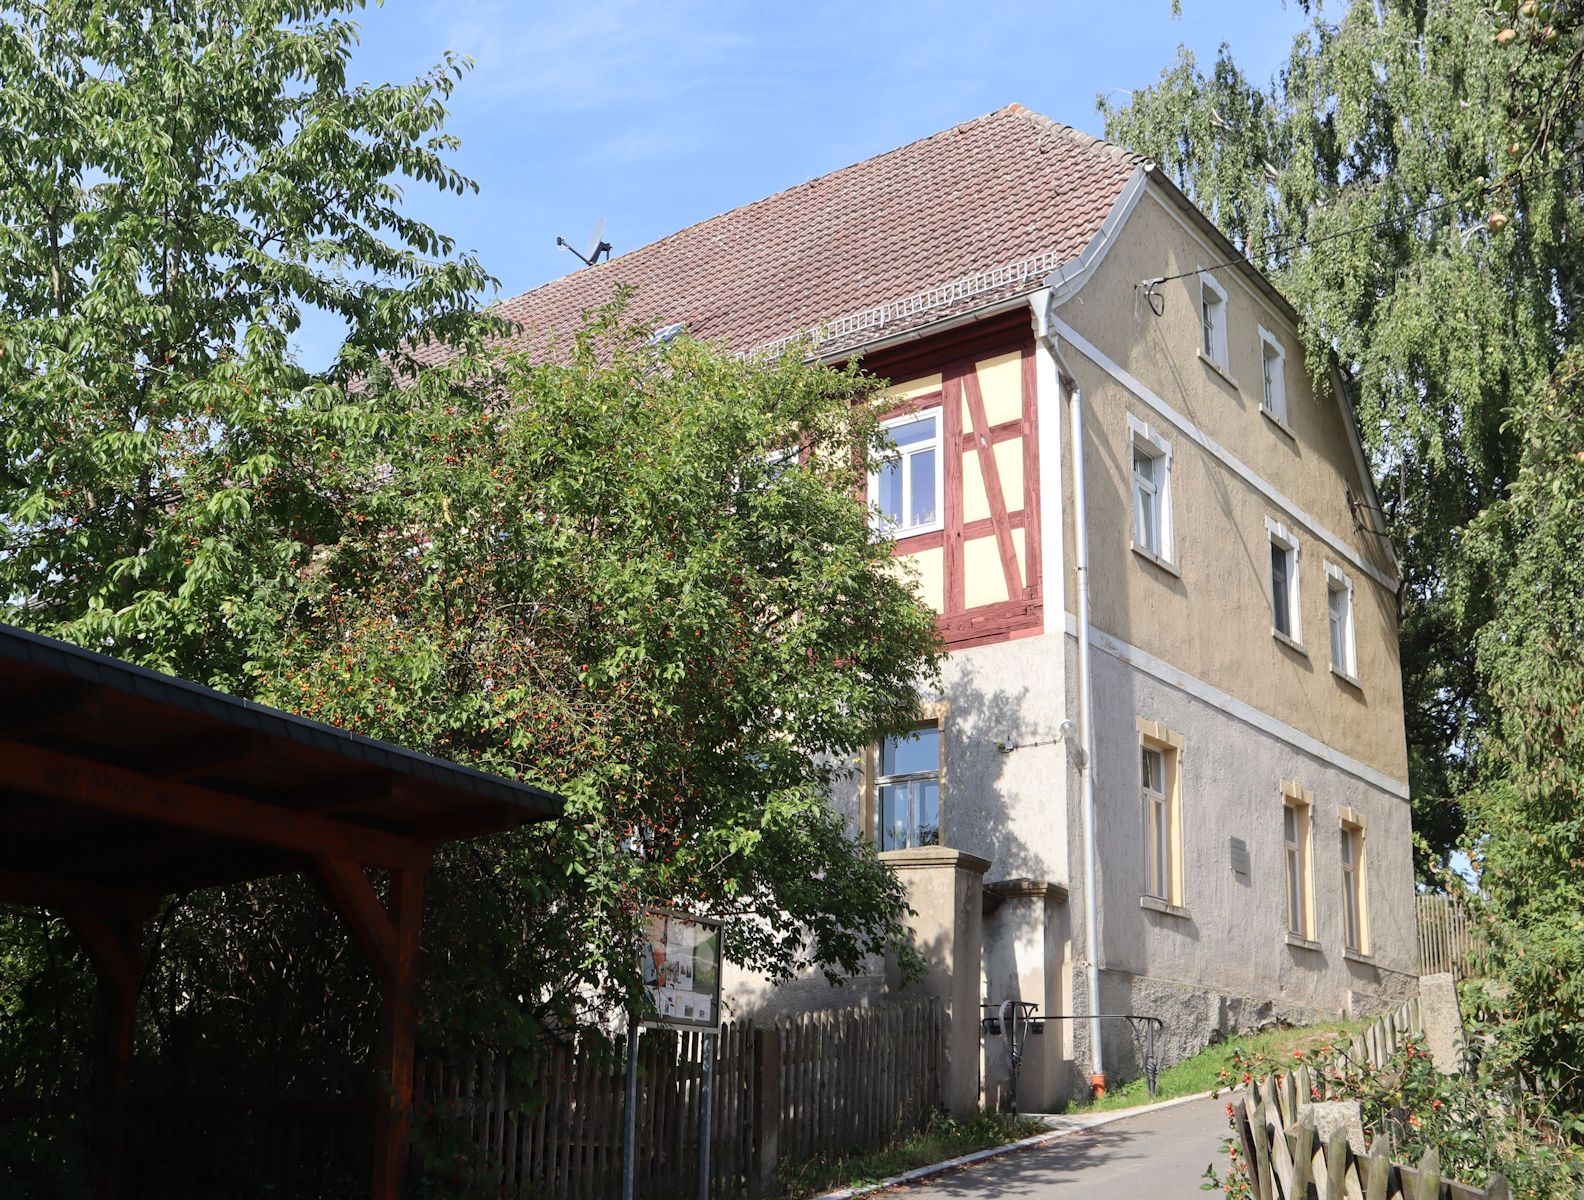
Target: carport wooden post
<point x="113" y="940"/>
<point x="389" y="935"/>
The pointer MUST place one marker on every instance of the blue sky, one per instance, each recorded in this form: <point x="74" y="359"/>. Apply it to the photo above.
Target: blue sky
<point x="657" y="115"/>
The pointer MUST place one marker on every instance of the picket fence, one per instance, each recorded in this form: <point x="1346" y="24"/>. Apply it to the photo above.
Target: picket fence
<point x="803" y="1087"/>
<point x="1449" y="939"/>
<point x="1287" y="1160"/>
<point x="546" y="1124"/>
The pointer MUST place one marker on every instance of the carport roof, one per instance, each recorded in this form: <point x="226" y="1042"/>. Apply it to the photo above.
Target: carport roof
<point x="119" y="779"/>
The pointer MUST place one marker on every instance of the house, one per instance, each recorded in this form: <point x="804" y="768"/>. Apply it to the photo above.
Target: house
<point x="1166" y="772"/>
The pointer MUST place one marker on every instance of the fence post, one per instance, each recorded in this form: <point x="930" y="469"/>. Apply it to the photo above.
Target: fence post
<point x="766" y="1115"/>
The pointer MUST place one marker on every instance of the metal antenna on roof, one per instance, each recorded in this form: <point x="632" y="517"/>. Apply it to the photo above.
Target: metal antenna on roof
<point x="597" y="245"/>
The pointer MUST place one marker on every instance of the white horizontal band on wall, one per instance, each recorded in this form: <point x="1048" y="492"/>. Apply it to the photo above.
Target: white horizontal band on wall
<point x="1247" y="713"/>
<point x="1095" y="355"/>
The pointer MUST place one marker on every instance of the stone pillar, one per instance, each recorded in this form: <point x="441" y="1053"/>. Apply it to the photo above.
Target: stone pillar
<point x="944" y="887"/>
<point x="1443" y="1023"/>
<point x="1025" y="947"/>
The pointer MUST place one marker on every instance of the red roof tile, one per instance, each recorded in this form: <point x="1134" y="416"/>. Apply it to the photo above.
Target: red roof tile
<point x="1011" y="194"/>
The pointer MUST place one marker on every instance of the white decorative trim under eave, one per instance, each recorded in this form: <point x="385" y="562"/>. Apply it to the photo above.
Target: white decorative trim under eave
<point x="1071" y="275"/>
<point x="1097" y="356"/>
<point x="1247" y="713"/>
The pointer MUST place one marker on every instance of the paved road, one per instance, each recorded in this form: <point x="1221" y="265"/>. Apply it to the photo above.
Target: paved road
<point x="1154" y="1156"/>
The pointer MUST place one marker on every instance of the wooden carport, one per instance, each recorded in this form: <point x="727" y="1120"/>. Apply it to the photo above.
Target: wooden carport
<point x="119" y="785"/>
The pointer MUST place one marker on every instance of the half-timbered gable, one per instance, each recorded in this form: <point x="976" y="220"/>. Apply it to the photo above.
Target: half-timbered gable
<point x="980" y="569"/>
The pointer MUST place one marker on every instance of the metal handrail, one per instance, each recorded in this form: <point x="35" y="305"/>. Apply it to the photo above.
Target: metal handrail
<point x="1151" y="1024"/>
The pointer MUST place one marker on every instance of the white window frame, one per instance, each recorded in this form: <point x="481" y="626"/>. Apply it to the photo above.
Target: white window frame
<point x="1338" y="584"/>
<point x="1282" y="537"/>
<point x="1298" y="860"/>
<point x="1212" y="324"/>
<point x="1142" y="437"/>
<point x="937" y="414"/>
<point x="1355" y="879"/>
<point x="911" y="833"/>
<point x="1273" y="391"/>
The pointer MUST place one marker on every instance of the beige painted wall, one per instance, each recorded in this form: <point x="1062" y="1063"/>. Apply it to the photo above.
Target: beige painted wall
<point x="1209" y="613"/>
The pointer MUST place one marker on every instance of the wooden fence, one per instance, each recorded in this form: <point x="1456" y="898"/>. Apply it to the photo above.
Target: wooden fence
<point x="783" y="1093"/>
<point x="1286" y="1157"/>
<point x="542" y="1125"/>
<point x="1449" y="939"/>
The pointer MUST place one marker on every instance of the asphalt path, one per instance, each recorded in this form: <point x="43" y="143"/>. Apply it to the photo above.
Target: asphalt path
<point x="1158" y="1155"/>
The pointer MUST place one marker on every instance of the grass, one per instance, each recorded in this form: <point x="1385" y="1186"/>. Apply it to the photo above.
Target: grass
<point x="942" y="1139"/>
<point x="1202" y="1072"/>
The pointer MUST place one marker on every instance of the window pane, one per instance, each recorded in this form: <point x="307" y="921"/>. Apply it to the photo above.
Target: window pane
<point x="1156" y="843"/>
<point x="1347" y="847"/>
<point x="894" y="816"/>
<point x="913" y="433"/>
<point x="1350" y="923"/>
<point x="1295" y="920"/>
<point x="1144" y="523"/>
<point x="926" y="794"/>
<point x="1150" y="771"/>
<point x="1338" y="602"/>
<point x="921" y="474"/>
<point x="1207" y="315"/>
<point x="1280" y="616"/>
<point x="1143" y="464"/>
<point x="916" y="754"/>
<point x="1290" y="823"/>
<point x="890" y="492"/>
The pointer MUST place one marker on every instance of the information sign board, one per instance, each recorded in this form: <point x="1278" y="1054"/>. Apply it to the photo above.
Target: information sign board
<point x="682" y="969"/>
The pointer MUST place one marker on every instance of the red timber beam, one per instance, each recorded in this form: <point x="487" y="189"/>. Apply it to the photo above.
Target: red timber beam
<point x="389" y="935"/>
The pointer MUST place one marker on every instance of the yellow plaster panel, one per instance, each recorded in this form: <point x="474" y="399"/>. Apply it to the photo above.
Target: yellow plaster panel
<point x="930" y="579"/>
<point x="976" y="503"/>
<point x="913" y="388"/>
<point x="1001" y="385"/>
<point x="1009" y="465"/>
<point x="983" y="582"/>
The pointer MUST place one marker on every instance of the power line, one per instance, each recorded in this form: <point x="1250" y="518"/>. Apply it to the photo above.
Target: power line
<point x="1149" y="285"/>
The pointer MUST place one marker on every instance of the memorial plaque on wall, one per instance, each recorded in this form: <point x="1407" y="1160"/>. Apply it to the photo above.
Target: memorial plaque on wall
<point x="1240" y="856"/>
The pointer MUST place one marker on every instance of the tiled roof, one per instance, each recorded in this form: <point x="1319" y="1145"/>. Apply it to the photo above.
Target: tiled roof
<point x="978" y="212"/>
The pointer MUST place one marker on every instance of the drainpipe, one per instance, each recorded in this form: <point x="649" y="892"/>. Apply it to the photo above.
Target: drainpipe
<point x="1085" y="696"/>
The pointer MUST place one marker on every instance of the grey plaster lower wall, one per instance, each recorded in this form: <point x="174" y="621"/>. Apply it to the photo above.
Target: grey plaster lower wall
<point x="1223" y="963"/>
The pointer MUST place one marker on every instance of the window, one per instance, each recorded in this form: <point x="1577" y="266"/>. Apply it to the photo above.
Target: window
<point x="1339" y="611"/>
<point x="907" y="489"/>
<point x="1157" y="825"/>
<point x="908" y="790"/>
<point x="1151" y="491"/>
<point x="1273" y="364"/>
<point x="1212" y="319"/>
<point x="1354" y="933"/>
<point x="1283" y="582"/>
<point x="1159" y="750"/>
<point x="1296" y="814"/>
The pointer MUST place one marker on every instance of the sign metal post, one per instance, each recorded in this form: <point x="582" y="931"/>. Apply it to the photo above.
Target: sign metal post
<point x="680" y="961"/>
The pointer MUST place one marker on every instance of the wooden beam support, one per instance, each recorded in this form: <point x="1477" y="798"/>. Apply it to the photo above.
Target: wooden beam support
<point x="398" y="1031"/>
<point x="389" y="935"/>
<point x="114" y="941"/>
<point x="66" y="895"/>
<point x="184" y="761"/>
<point x="116" y="789"/>
<point x="352" y="896"/>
